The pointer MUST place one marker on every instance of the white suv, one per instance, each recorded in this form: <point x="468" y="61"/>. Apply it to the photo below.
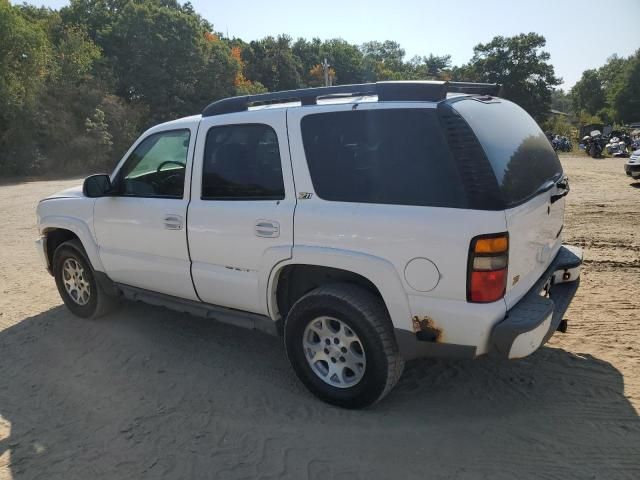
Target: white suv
<point x="366" y="224"/>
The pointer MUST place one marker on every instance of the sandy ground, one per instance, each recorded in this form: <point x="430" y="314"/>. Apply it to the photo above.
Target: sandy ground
<point x="147" y="393"/>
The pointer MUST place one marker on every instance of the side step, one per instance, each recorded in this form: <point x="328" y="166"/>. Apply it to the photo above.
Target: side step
<point x="252" y="321"/>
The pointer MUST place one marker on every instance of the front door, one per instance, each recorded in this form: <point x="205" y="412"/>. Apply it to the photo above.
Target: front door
<point x="241" y="211"/>
<point x="141" y="229"/>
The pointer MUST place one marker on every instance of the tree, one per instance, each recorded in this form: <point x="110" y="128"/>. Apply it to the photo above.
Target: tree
<point x="430" y="68"/>
<point x="625" y="92"/>
<point x="587" y="94"/>
<point x="25" y="57"/>
<point x="522" y="68"/>
<point x="560" y="125"/>
<point x="244" y="86"/>
<point x="308" y="54"/>
<point x="382" y="61"/>
<point x="561" y="101"/>
<point x="316" y="76"/>
<point x="345" y="58"/>
<point x="97" y="16"/>
<point x="271" y="62"/>
<point x="25" y="54"/>
<point x="163" y="56"/>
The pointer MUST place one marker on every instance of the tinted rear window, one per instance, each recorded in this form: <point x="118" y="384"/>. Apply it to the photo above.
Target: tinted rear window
<point x="381" y="156"/>
<point x="520" y="154"/>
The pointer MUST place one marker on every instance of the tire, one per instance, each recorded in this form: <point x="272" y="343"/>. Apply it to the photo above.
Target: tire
<point x="378" y="363"/>
<point x="94" y="301"/>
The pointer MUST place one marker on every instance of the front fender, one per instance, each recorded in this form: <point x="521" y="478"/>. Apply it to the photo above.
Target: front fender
<point x="377" y="270"/>
<point x="80" y="228"/>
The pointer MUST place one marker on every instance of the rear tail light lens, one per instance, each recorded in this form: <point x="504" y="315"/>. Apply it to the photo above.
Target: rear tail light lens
<point x="488" y="263"/>
<point x="491" y="244"/>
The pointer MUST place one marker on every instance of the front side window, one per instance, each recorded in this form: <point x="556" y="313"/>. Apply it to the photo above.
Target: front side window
<point x="242" y="162"/>
<point x="156" y="168"/>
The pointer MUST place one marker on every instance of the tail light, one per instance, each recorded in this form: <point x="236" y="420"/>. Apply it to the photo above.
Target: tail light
<point x="488" y="262"/>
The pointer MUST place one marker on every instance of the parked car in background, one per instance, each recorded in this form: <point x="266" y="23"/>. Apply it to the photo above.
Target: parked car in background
<point x="632" y="166"/>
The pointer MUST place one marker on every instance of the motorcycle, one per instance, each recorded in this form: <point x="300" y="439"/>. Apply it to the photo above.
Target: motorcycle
<point x="595" y="144"/>
<point x="617" y="147"/>
<point x="561" y="143"/>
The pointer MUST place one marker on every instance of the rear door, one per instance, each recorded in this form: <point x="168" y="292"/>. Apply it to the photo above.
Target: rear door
<point x="527" y="170"/>
<point x="240" y="218"/>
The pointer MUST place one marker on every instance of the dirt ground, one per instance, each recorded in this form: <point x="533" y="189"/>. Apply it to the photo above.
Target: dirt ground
<point x="148" y="393"/>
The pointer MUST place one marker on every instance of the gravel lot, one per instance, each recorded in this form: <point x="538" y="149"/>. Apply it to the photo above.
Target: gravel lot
<point x="148" y="393"/>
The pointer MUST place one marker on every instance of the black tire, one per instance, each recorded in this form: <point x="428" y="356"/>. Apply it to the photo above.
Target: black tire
<point x="367" y="316"/>
<point x="99" y="302"/>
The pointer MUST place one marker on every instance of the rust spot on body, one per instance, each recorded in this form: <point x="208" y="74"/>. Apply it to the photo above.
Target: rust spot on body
<point x="426" y="329"/>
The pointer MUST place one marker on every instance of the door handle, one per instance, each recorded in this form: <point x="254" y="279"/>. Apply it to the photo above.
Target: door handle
<point x="267" y="228"/>
<point x="173" y="222"/>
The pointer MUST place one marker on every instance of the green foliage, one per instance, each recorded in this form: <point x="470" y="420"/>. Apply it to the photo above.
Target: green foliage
<point x="25" y="53"/>
<point x="162" y="57"/>
<point x="624" y="94"/>
<point x="343" y="57"/>
<point x="587" y="94"/>
<point x="430" y="68"/>
<point x="271" y="62"/>
<point x="522" y="68"/>
<point x="79" y="84"/>
<point x="612" y="92"/>
<point x="561" y="101"/>
<point x="560" y="125"/>
<point x="383" y="61"/>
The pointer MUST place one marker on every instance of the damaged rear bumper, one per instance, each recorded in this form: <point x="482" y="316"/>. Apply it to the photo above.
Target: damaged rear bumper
<point x="539" y="314"/>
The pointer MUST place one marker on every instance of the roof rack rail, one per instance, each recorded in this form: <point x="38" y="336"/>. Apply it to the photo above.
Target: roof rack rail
<point x="430" y="91"/>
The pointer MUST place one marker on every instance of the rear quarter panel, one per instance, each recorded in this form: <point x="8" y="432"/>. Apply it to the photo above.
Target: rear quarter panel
<point x="398" y="234"/>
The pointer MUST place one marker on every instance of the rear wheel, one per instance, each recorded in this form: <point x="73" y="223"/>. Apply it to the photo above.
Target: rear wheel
<point x="77" y="284"/>
<point x="339" y="340"/>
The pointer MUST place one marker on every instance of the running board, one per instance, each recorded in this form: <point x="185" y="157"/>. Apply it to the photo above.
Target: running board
<point x="252" y="321"/>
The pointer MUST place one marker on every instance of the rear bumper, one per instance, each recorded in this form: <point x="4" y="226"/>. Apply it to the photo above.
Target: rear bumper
<point x="535" y="318"/>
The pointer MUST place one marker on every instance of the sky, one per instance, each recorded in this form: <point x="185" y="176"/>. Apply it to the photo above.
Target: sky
<point x="581" y="34"/>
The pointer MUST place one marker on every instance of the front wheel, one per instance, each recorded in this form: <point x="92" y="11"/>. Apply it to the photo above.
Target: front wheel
<point x="339" y="340"/>
<point x="77" y="284"/>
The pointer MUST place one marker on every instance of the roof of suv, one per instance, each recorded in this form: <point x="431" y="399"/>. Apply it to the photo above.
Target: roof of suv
<point x="425" y="91"/>
<point x="419" y="91"/>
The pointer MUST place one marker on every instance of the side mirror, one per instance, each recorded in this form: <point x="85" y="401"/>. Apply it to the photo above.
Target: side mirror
<point x="96" y="186"/>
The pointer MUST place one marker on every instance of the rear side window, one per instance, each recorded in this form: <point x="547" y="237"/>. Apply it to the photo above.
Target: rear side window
<point x="242" y="162"/>
<point x="386" y="156"/>
<point x="521" y="157"/>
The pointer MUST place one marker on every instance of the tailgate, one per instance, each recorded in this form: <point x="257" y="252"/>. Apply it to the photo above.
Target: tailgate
<point x="534" y="240"/>
<point x="531" y="185"/>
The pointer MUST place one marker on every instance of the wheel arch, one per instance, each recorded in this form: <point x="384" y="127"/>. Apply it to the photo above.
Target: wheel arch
<point x="335" y="265"/>
<point x="57" y="230"/>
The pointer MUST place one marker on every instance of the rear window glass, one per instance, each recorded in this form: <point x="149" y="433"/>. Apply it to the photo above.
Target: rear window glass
<point x="390" y="156"/>
<point x="522" y="158"/>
